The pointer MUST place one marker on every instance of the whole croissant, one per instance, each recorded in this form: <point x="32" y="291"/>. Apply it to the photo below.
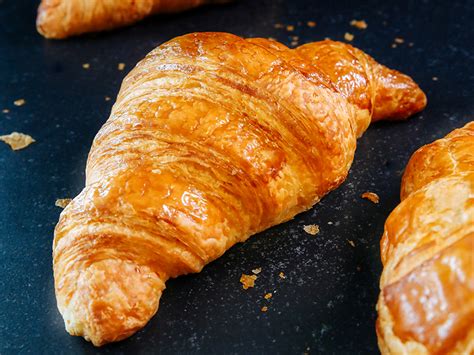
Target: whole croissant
<point x="426" y="304"/>
<point x="213" y="138"/>
<point x="64" y="18"/>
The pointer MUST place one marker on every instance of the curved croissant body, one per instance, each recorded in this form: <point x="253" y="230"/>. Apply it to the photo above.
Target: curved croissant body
<point x="213" y="138"/>
<point x="426" y="304"/>
<point x="64" y="18"/>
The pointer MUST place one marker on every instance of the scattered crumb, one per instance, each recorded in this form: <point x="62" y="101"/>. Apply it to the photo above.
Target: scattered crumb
<point x="411" y="44"/>
<point x="264" y="309"/>
<point x="278" y="25"/>
<point x="282" y="275"/>
<point x="371" y="196"/>
<point x="351" y="243"/>
<point x="121" y="66"/>
<point x="330" y="222"/>
<point x="311" y="24"/>
<point x="294" y="43"/>
<point x="257" y="270"/>
<point x="19" y="102"/>
<point x="290" y="28"/>
<point x="62" y="202"/>
<point x="247" y="281"/>
<point x="295" y="38"/>
<point x="312" y="229"/>
<point x="360" y="24"/>
<point x="271" y="39"/>
<point x="348" y="36"/>
<point x="268" y="296"/>
<point x="107" y="98"/>
<point x="86" y="65"/>
<point x="435" y="78"/>
<point x="17" y="140"/>
<point x="394" y="45"/>
<point x="399" y="40"/>
<point x="5" y="110"/>
<point x="327" y="38"/>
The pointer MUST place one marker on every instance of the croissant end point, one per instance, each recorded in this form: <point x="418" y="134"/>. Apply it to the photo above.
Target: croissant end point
<point x="111" y="301"/>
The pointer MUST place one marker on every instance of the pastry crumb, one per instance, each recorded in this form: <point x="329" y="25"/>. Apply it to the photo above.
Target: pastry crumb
<point x="17" y="140"/>
<point x="311" y="23"/>
<point x="264" y="309"/>
<point x="107" y="98"/>
<point x="294" y="43"/>
<point x="312" y="229"/>
<point x="399" y="40"/>
<point x="394" y="45"/>
<point x="290" y="28"/>
<point x="19" y="102"/>
<point x="86" y="65"/>
<point x="121" y="66"/>
<point x="360" y="24"/>
<point x="351" y="243"/>
<point x="257" y="270"/>
<point x="348" y="36"/>
<point x="62" y="202"/>
<point x="247" y="281"/>
<point x="5" y="110"/>
<point x="434" y="78"/>
<point x="268" y="296"/>
<point x="371" y="196"/>
<point x="411" y="44"/>
<point x="271" y="39"/>
<point x="278" y="25"/>
<point x="282" y="275"/>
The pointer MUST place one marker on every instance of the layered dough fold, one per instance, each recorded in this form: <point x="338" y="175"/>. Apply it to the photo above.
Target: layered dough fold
<point x="426" y="304"/>
<point x="64" y="18"/>
<point x="212" y="138"/>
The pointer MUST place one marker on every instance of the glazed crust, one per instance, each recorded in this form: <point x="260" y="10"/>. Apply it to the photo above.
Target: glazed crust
<point x="64" y="18"/>
<point x="426" y="304"/>
<point x="212" y="138"/>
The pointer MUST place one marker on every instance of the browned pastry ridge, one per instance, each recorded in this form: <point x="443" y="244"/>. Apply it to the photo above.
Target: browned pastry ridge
<point x="213" y="138"/>
<point x="64" y="18"/>
<point x="426" y="303"/>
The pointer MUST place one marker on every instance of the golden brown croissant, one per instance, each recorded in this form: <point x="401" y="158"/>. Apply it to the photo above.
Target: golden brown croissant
<point x="426" y="304"/>
<point x="64" y="18"/>
<point x="213" y="138"/>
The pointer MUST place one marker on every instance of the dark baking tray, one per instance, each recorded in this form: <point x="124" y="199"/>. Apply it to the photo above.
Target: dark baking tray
<point x="327" y="302"/>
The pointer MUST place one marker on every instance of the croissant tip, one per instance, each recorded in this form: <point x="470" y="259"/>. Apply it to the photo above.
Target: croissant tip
<point x="110" y="300"/>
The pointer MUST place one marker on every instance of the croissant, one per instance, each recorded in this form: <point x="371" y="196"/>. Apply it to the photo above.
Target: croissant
<point x="64" y="18"/>
<point x="212" y="138"/>
<point x="426" y="303"/>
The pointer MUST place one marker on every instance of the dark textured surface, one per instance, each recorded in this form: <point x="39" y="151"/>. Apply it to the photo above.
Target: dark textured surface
<point x="327" y="302"/>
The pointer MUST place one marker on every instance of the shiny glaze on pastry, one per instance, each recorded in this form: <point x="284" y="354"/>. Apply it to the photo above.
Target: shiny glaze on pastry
<point x="212" y="138"/>
<point x="64" y="18"/>
<point x="426" y="304"/>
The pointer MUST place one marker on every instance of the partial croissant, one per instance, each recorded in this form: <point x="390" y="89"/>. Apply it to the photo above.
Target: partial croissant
<point x="426" y="303"/>
<point x="64" y="18"/>
<point x="213" y="138"/>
